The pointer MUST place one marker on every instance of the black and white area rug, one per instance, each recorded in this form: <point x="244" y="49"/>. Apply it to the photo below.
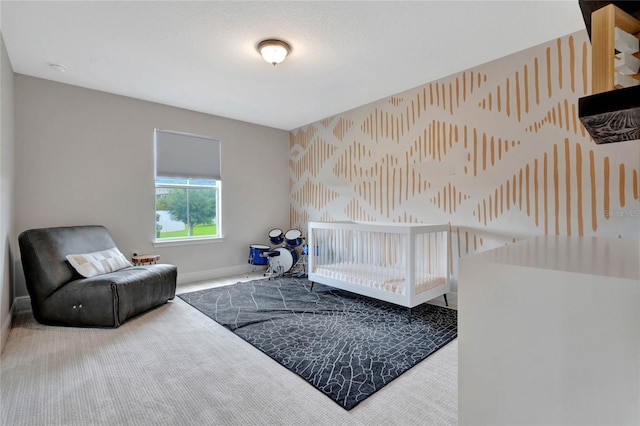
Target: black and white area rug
<point x="346" y="346"/>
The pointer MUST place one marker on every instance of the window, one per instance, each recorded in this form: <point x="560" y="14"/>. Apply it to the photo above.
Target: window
<point x="187" y="185"/>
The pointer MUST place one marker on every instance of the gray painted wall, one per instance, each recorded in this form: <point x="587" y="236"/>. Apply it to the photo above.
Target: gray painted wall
<point x="86" y="157"/>
<point x="7" y="236"/>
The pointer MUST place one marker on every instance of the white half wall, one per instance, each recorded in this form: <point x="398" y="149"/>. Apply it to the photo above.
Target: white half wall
<point x="549" y="333"/>
<point x="86" y="157"/>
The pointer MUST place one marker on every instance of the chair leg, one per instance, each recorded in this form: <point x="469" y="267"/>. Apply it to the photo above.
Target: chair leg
<point x="445" y="300"/>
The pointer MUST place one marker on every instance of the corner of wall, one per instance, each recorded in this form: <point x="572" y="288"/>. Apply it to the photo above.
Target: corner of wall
<point x="7" y="193"/>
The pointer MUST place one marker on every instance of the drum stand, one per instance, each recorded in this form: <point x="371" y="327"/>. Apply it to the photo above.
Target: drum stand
<point x="299" y="270"/>
<point x="255" y="266"/>
<point x="274" y="270"/>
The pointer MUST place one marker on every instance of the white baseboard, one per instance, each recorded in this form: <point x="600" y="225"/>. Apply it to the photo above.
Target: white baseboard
<point x="6" y="327"/>
<point x="452" y="299"/>
<point x="191" y="277"/>
<point x="22" y="304"/>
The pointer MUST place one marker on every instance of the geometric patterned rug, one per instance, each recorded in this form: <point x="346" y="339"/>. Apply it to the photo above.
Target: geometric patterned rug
<point x="345" y="345"/>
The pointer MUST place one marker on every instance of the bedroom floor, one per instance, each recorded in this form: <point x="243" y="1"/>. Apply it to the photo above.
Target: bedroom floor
<point x="173" y="365"/>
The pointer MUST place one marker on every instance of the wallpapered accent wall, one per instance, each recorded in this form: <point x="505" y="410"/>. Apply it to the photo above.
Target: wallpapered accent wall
<point x="496" y="151"/>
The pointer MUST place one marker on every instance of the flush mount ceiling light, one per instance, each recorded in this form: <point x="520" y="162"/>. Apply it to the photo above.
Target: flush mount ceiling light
<point x="274" y="51"/>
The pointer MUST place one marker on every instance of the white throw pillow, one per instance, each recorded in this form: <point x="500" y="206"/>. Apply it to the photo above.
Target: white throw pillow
<point x="98" y="262"/>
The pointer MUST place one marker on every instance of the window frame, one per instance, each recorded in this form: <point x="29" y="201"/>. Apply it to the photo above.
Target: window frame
<point x="169" y="151"/>
<point x="191" y="239"/>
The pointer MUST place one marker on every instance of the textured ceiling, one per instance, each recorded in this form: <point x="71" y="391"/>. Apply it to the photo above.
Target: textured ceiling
<point x="201" y="55"/>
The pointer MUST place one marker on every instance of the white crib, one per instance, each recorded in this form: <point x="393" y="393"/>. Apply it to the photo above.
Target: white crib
<point x="405" y="264"/>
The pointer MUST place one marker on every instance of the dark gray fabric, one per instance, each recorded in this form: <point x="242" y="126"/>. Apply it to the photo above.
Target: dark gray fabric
<point x="347" y="346"/>
<point x="143" y="287"/>
<point x="60" y="296"/>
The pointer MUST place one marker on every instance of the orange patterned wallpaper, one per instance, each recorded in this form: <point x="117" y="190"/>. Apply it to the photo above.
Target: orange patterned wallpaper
<point x="497" y="152"/>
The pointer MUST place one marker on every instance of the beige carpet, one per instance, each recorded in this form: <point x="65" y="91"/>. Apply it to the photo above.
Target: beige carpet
<point x="174" y="366"/>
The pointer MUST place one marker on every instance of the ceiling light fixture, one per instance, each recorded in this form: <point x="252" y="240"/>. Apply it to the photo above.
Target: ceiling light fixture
<point x="274" y="51"/>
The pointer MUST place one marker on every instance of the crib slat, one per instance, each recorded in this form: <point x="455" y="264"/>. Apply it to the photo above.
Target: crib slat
<point x="405" y="264"/>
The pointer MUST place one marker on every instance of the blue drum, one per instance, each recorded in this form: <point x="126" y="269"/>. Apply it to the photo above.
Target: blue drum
<point x="305" y="249"/>
<point x="255" y="251"/>
<point x="276" y="236"/>
<point x="286" y="258"/>
<point x="293" y="237"/>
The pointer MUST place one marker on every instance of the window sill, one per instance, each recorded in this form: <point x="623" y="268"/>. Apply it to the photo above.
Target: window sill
<point x="186" y="241"/>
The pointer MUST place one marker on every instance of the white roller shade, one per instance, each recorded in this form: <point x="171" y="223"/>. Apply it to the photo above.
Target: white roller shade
<point x="186" y="155"/>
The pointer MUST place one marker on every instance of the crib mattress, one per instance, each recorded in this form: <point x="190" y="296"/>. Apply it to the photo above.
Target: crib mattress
<point x="382" y="278"/>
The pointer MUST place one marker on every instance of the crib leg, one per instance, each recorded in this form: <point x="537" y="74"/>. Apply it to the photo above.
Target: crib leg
<point x="409" y="315"/>
<point x="311" y="289"/>
<point x="445" y="300"/>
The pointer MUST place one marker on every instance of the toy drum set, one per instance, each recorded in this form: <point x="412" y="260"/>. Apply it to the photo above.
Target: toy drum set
<point x="283" y="257"/>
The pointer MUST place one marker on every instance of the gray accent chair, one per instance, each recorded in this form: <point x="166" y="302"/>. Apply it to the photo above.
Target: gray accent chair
<point x="61" y="296"/>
